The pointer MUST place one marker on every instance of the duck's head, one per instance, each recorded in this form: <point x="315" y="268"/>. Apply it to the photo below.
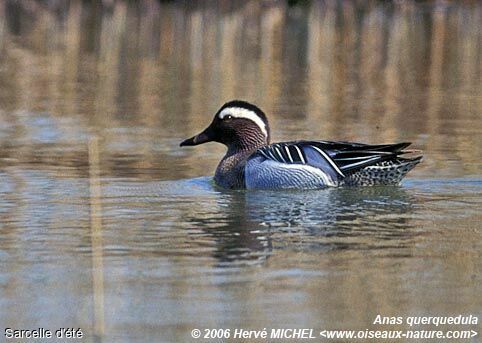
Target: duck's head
<point x="237" y="124"/>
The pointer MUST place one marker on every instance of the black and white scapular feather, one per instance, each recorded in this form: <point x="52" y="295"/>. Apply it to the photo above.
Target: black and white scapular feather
<point x="251" y="162"/>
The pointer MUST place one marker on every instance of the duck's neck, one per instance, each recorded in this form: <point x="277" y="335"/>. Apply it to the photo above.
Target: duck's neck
<point x="230" y="171"/>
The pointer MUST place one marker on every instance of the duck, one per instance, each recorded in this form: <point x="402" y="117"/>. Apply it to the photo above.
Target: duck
<point x="252" y="162"/>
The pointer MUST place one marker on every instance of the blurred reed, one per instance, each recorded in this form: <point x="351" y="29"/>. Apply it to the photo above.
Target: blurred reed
<point x="372" y="70"/>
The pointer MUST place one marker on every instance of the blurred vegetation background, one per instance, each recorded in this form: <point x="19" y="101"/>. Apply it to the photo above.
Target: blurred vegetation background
<point x="145" y="74"/>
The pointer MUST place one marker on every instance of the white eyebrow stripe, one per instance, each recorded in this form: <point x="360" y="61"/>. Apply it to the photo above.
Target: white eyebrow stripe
<point x="239" y="112"/>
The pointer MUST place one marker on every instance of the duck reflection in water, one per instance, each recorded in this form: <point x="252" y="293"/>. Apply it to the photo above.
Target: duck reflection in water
<point x="257" y="222"/>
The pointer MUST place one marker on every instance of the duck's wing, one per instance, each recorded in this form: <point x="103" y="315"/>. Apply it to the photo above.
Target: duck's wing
<point x="337" y="159"/>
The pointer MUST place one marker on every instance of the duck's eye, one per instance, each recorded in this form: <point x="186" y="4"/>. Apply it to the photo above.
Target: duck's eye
<point x="227" y="117"/>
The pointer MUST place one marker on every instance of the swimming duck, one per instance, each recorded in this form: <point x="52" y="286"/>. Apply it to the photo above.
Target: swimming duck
<point x="252" y="162"/>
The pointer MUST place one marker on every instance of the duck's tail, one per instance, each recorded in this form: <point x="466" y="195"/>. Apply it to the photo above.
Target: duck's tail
<point x="389" y="172"/>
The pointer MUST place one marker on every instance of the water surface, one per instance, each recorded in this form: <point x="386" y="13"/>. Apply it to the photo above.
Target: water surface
<point x="107" y="225"/>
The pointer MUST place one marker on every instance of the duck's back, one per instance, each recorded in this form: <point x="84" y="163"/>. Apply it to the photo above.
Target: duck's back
<point x="319" y="164"/>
